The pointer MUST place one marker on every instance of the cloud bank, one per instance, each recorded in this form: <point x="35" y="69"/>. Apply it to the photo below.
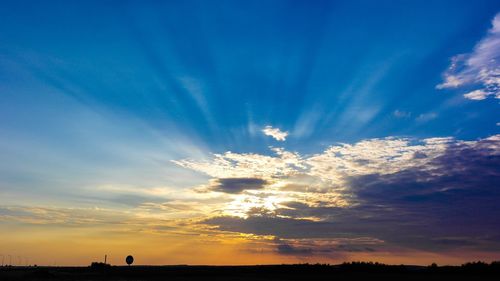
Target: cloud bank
<point x="435" y="194"/>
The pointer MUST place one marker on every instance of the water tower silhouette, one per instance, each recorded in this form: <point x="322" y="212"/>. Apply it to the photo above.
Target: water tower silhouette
<point x="129" y="260"/>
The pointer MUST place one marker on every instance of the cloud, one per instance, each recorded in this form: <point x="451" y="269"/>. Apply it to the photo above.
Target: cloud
<point x="386" y="155"/>
<point x="236" y="185"/>
<point x="71" y="217"/>
<point x="479" y="69"/>
<point x="328" y="247"/>
<point x="246" y="165"/>
<point x="319" y="179"/>
<point x="477" y="95"/>
<point x="436" y="194"/>
<point x="426" y="117"/>
<point x="275" y="133"/>
<point x="273" y="225"/>
<point x="287" y="249"/>
<point x="401" y="114"/>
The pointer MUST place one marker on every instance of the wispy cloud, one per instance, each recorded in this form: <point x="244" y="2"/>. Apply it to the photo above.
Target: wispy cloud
<point x="479" y="69"/>
<point x="401" y="114"/>
<point x="62" y="216"/>
<point x="275" y="133"/>
<point x="307" y="122"/>
<point x="425" y="117"/>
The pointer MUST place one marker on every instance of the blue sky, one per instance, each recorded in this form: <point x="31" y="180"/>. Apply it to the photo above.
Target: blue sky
<point x="104" y="102"/>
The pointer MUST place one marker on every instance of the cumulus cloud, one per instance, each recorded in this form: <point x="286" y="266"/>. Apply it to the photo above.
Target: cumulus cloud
<point x="477" y="95"/>
<point x="432" y="194"/>
<point x="275" y="133"/>
<point x="241" y="165"/>
<point x="385" y="155"/>
<point x="314" y="179"/>
<point x="479" y="69"/>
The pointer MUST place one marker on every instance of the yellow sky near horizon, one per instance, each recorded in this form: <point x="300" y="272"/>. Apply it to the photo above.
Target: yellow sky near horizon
<point x="260" y="209"/>
<point x="79" y="245"/>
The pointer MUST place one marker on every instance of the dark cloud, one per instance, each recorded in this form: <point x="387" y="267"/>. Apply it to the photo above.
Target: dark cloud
<point x="287" y="249"/>
<point x="272" y="225"/>
<point x="452" y="202"/>
<point x="333" y="248"/>
<point x="462" y="186"/>
<point x="237" y="185"/>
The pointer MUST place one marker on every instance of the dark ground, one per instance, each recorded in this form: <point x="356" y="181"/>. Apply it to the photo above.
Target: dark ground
<point x="351" y="271"/>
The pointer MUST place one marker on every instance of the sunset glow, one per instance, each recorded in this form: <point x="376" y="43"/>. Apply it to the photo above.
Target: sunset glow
<point x="249" y="132"/>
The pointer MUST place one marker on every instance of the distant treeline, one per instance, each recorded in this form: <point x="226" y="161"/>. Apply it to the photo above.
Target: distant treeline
<point x="346" y="271"/>
<point x="375" y="266"/>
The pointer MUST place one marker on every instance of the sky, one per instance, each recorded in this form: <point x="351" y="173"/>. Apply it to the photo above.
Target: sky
<point x="249" y="132"/>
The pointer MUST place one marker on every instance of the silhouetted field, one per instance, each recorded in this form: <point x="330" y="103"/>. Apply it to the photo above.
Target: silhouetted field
<point x="346" y="271"/>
